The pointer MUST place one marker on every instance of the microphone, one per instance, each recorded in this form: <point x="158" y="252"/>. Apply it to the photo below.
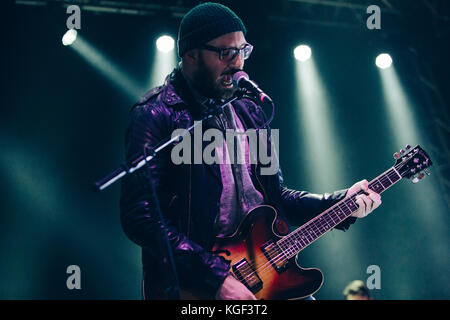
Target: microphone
<point x="242" y="81"/>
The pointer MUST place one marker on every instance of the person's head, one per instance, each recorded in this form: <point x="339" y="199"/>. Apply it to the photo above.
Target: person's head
<point x="356" y="290"/>
<point x="212" y="47"/>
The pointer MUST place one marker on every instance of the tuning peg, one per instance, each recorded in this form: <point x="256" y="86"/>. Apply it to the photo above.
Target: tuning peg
<point x="418" y="177"/>
<point x="402" y="151"/>
<point x="397" y="156"/>
<point x="408" y="147"/>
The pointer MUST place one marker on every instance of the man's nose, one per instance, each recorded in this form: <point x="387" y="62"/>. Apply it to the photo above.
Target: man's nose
<point x="237" y="62"/>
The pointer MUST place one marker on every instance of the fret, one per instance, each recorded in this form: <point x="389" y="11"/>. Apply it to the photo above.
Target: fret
<point x="292" y="251"/>
<point x="320" y="231"/>
<point x="386" y="184"/>
<point x="323" y="222"/>
<point x="308" y="236"/>
<point x="346" y="209"/>
<point x="301" y="239"/>
<point x="377" y="186"/>
<point x="387" y="176"/>
<point x="305" y="236"/>
<point x="394" y="176"/>
<point x="301" y="243"/>
<point x="285" y="246"/>
<point x="288" y="251"/>
<point x="285" y="252"/>
<point x="351" y="204"/>
<point x="281" y="246"/>
<point x="316" y="232"/>
<point x="339" y="212"/>
<point x="394" y="170"/>
<point x="330" y="214"/>
<point x="288" y="246"/>
<point x="322" y="227"/>
<point x="291" y="243"/>
<point x="292" y="240"/>
<point x="327" y="219"/>
<point x="317" y="228"/>
<point x="311" y="230"/>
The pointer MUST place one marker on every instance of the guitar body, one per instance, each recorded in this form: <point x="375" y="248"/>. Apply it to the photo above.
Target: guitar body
<point x="249" y="250"/>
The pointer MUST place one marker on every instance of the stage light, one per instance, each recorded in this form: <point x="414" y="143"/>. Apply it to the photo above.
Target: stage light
<point x="317" y="128"/>
<point x="322" y="152"/>
<point x="406" y="127"/>
<point x="110" y="70"/>
<point x="383" y="61"/>
<point x="165" y="44"/>
<point x="302" y="53"/>
<point x="69" y="37"/>
<point x="164" y="61"/>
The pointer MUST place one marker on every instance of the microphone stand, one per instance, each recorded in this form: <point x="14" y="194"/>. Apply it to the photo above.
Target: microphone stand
<point x="141" y="160"/>
<point x="149" y="153"/>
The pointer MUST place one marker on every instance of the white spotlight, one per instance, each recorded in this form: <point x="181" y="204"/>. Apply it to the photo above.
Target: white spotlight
<point x="165" y="44"/>
<point x="69" y="37"/>
<point x="302" y="53"/>
<point x="383" y="61"/>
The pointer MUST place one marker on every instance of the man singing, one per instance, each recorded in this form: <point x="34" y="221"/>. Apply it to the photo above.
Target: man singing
<point x="203" y="202"/>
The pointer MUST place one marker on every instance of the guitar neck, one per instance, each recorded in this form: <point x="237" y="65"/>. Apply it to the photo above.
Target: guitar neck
<point x="306" y="234"/>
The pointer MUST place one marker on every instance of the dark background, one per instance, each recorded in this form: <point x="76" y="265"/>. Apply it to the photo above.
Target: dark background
<point x="63" y="124"/>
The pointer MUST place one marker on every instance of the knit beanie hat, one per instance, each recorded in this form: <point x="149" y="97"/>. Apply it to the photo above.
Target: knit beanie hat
<point x="204" y="23"/>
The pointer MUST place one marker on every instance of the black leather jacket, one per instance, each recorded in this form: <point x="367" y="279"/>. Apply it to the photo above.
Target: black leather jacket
<point x="189" y="194"/>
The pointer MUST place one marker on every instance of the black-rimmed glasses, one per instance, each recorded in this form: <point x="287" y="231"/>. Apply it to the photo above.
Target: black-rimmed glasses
<point x="229" y="54"/>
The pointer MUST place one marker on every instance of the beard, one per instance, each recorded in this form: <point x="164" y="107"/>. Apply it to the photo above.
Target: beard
<point x="210" y="86"/>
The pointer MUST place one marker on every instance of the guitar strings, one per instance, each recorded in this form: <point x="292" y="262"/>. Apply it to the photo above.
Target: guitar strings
<point x="264" y="267"/>
<point x="284" y="253"/>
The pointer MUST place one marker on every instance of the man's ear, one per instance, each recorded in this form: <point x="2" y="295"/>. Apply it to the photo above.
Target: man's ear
<point x="192" y="56"/>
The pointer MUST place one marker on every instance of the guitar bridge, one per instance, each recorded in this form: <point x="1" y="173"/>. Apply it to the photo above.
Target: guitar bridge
<point x="247" y="275"/>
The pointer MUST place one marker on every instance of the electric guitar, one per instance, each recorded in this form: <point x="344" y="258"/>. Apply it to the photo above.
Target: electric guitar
<point x="264" y="260"/>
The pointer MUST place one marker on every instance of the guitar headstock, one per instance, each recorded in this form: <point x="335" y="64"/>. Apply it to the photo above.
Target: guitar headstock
<point x="412" y="163"/>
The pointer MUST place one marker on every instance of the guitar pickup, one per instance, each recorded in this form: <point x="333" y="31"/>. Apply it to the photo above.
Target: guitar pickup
<point x="274" y="255"/>
<point x="247" y="275"/>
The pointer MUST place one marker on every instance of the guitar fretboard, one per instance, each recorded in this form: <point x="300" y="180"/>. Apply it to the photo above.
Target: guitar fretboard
<point x="303" y="236"/>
